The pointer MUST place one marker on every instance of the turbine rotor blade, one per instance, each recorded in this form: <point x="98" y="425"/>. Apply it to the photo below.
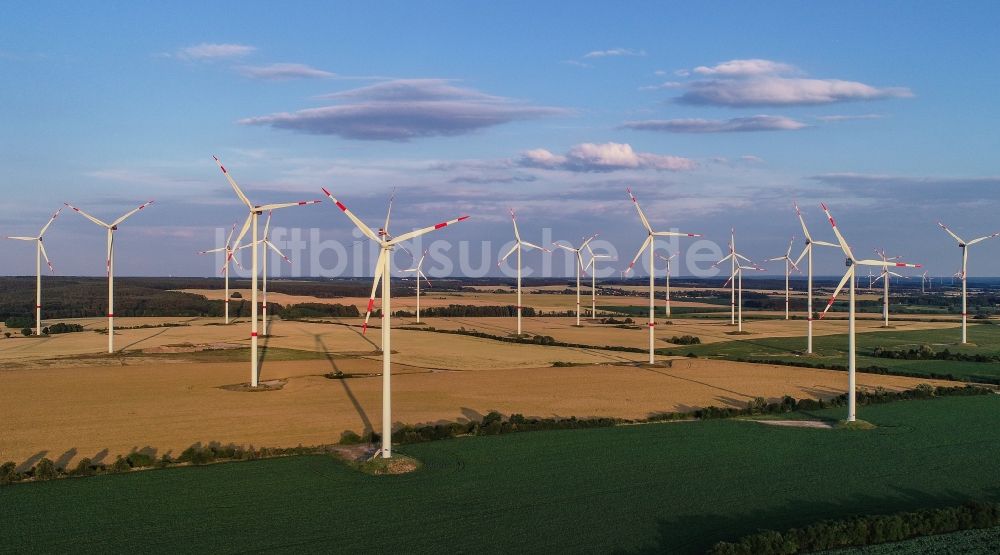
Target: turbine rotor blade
<point x="836" y="231"/>
<point x="129" y="213"/>
<point x="88" y="216"/>
<point x="428" y="229"/>
<point x="361" y="225"/>
<point x="848" y="275"/>
<point x="649" y="239"/>
<point x="379" y="267"/>
<point x="232" y="182"/>
<point x="52" y="219"/>
<point x="950" y="232"/>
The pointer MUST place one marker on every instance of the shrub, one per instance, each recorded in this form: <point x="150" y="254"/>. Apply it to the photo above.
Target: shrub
<point x="26" y="332"/>
<point x="236" y="295"/>
<point x="8" y="473"/>
<point x="120" y="465"/>
<point x="46" y="470"/>
<point x="139" y="460"/>
<point x="756" y="405"/>
<point x="6" y="334"/>
<point x="685" y="340"/>
<point x="350" y="438"/>
<point x="84" y="468"/>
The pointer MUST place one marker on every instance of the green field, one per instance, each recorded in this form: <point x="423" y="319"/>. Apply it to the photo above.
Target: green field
<point x="646" y="488"/>
<point x="832" y="350"/>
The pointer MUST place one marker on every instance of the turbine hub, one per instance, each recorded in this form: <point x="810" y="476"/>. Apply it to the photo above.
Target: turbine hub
<point x="849" y="263"/>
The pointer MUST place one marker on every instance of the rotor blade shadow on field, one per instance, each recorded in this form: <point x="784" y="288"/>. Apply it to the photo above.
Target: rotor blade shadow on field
<point x="343" y="383"/>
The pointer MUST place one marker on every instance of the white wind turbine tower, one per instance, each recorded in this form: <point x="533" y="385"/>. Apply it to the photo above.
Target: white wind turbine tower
<point x="789" y="264"/>
<point x="735" y="280"/>
<point x="518" y="243"/>
<point x="578" y="254"/>
<point x="667" y="259"/>
<point x="266" y="243"/>
<point x="112" y="227"/>
<point x="808" y="251"/>
<point x="964" y="245"/>
<point x="39" y="254"/>
<point x="383" y="270"/>
<point x="418" y="273"/>
<point x="852" y="264"/>
<point x="251" y="221"/>
<point x="884" y="275"/>
<point x="593" y="279"/>
<point x="923" y="282"/>
<point x="228" y="249"/>
<point x="650" y="243"/>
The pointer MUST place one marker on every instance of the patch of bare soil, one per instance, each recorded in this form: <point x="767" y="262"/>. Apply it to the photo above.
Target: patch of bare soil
<point x="190" y="348"/>
<point x="798" y="423"/>
<point x="268" y="385"/>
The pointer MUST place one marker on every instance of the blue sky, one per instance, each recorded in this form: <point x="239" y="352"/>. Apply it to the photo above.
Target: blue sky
<point x="717" y="114"/>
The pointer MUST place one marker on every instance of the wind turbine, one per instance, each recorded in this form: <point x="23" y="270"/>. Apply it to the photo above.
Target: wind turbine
<point x="228" y="249"/>
<point x="265" y="241"/>
<point x="789" y="264"/>
<point x="650" y="243"/>
<point x="964" y="245"/>
<point x="667" y="259"/>
<point x="579" y="266"/>
<point x="923" y="281"/>
<point x="251" y="221"/>
<point x="518" y="243"/>
<point x="734" y="259"/>
<point x="736" y="278"/>
<point x="383" y="269"/>
<point x="419" y="273"/>
<point x="884" y="275"/>
<point x="112" y="227"/>
<point x="808" y="251"/>
<point x="593" y="279"/>
<point x="39" y="254"/>
<point x="852" y="264"/>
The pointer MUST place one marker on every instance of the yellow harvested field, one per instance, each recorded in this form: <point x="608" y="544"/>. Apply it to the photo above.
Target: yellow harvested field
<point x="68" y="412"/>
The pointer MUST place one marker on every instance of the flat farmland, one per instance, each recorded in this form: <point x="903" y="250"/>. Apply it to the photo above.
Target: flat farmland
<point x="65" y="411"/>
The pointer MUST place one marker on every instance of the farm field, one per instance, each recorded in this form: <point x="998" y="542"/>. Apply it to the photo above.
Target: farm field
<point x="832" y="349"/>
<point x="677" y="487"/>
<point x="68" y="412"/>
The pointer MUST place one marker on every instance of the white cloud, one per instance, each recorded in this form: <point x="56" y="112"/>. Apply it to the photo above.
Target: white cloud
<point x="212" y="51"/>
<point x="757" y="82"/>
<point x="606" y="157"/>
<point x="405" y="109"/>
<point x="742" y="68"/>
<point x="280" y="72"/>
<point x="614" y="52"/>
<point x="782" y="91"/>
<point x="695" y="125"/>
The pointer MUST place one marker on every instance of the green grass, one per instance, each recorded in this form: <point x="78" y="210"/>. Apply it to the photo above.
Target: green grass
<point x="967" y="542"/>
<point x="676" y="487"/>
<point x="832" y="349"/>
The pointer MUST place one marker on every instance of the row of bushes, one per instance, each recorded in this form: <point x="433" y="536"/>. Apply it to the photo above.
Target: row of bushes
<point x="926" y="352"/>
<point x="536" y="340"/>
<point x="685" y="340"/>
<point x="864" y="530"/>
<point x="46" y="469"/>
<point x="493" y="423"/>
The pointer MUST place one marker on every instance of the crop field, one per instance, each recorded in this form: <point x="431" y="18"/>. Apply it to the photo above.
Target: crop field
<point x="832" y="349"/>
<point x="676" y="487"/>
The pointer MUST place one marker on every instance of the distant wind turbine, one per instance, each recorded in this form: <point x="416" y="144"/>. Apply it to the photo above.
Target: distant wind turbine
<point x="112" y="227"/>
<point x="228" y="249"/>
<point x="265" y="242"/>
<point x="964" y="245"/>
<point x="578" y="262"/>
<point x="789" y="264"/>
<point x="252" y="221"/>
<point x="419" y="273"/>
<point x="735" y="280"/>
<point x="518" y="244"/>
<point x="667" y="259"/>
<point x="808" y="252"/>
<point x="650" y="243"/>
<point x="39" y="254"/>
<point x="885" y="275"/>
<point x="591" y="265"/>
